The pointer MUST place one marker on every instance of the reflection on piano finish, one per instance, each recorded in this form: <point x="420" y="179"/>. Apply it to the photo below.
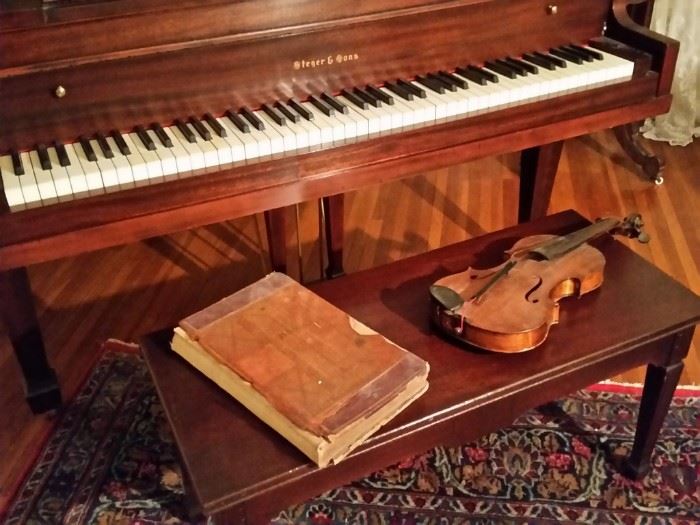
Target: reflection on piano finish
<point x="204" y="111"/>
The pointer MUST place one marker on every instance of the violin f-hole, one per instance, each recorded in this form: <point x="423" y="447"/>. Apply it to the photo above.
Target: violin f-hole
<point x="533" y="290"/>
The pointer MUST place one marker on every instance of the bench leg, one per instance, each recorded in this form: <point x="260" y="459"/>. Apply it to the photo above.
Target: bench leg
<point x="538" y="167"/>
<point x="275" y="224"/>
<point x="17" y="309"/>
<point x="659" y="386"/>
<point x="334" y="219"/>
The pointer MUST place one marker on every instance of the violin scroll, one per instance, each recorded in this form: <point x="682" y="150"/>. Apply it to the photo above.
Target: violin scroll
<point x="632" y="227"/>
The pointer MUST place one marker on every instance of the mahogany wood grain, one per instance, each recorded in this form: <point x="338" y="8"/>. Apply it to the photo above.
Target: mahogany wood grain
<point x="244" y="53"/>
<point x="275" y="223"/>
<point x="470" y="393"/>
<point x="664" y="50"/>
<point x="17" y="309"/>
<point x="538" y="168"/>
<point x="334" y="209"/>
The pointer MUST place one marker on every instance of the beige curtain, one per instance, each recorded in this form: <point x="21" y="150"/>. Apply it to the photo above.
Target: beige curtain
<point x="679" y="19"/>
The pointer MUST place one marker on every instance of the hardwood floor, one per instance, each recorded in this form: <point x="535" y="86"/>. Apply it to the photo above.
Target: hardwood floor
<point x="126" y="291"/>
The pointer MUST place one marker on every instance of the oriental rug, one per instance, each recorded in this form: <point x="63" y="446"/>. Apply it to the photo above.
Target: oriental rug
<point x="112" y="460"/>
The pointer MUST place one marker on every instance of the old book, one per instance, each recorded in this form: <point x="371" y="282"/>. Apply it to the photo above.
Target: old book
<point x="323" y="380"/>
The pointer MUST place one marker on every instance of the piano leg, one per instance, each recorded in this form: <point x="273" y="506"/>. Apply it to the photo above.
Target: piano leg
<point x="275" y="223"/>
<point x="628" y="137"/>
<point x="334" y="211"/>
<point x="17" y="309"/>
<point x="538" y="167"/>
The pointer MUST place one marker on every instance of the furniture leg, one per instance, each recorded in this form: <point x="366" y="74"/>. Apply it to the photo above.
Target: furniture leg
<point x="629" y="139"/>
<point x="334" y="211"/>
<point x="659" y="386"/>
<point x="275" y="224"/>
<point x="17" y="309"/>
<point x="538" y="167"/>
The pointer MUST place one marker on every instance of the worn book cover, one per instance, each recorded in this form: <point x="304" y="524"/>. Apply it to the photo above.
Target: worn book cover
<point x="308" y="369"/>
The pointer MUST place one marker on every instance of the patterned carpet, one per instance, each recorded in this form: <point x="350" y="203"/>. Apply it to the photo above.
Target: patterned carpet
<point x="112" y="460"/>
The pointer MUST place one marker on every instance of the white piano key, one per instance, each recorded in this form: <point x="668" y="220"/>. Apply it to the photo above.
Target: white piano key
<point x="249" y="144"/>
<point x="139" y="166"/>
<point x="194" y="152"/>
<point x="373" y="121"/>
<point x="313" y="132"/>
<point x="166" y="156"/>
<point x="151" y="161"/>
<point x="211" y="156"/>
<point x="181" y="155"/>
<point x="44" y="181"/>
<point x="273" y="136"/>
<point x="11" y="185"/>
<point x="61" y="181"/>
<point x="301" y="134"/>
<point x="222" y="146"/>
<point x="325" y="127"/>
<point x="122" y="165"/>
<point x="349" y="124"/>
<point x="93" y="176"/>
<point x="283" y="133"/>
<point x="110" y="179"/>
<point x="76" y="175"/>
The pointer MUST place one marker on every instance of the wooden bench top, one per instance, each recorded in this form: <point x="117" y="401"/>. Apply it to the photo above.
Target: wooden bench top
<point x="241" y="470"/>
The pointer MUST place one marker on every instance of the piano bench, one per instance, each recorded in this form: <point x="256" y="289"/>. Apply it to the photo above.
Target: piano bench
<point x="239" y="471"/>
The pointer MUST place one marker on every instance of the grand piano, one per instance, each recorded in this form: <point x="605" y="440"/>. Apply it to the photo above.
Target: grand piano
<point x="127" y="119"/>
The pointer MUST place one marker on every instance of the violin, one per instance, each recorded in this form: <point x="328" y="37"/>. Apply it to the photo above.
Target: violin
<point x="511" y="307"/>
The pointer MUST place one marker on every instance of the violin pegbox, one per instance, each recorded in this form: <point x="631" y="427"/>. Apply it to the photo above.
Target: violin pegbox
<point x="632" y="227"/>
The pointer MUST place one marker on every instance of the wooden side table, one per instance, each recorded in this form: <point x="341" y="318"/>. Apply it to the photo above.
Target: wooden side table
<point x="240" y="471"/>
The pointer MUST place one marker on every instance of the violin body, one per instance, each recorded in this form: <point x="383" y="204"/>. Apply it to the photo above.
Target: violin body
<point x="517" y="309"/>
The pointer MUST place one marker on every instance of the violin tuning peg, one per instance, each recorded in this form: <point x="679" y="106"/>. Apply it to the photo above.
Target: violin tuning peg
<point x="643" y="237"/>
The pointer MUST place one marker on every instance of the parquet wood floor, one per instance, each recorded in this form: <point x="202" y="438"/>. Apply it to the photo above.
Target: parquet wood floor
<point x="126" y="291"/>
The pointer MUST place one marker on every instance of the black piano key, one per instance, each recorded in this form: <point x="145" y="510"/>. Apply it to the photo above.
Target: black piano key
<point x="370" y="99"/>
<point x="17" y="163"/>
<point x="521" y="71"/>
<point x="360" y="103"/>
<point x="275" y="115"/>
<point x="296" y="106"/>
<point x="43" y="157"/>
<point x="490" y="77"/>
<point x="62" y="154"/>
<point x="238" y="121"/>
<point x="595" y="55"/>
<point x="254" y="121"/>
<point x="145" y="138"/>
<point x="533" y="59"/>
<point x="215" y="125"/>
<point x="417" y="91"/>
<point x="398" y="90"/>
<point x="459" y="82"/>
<point x="585" y="56"/>
<point x="500" y="69"/>
<point x="471" y="75"/>
<point x="87" y="149"/>
<point x="556" y="61"/>
<point x="120" y="142"/>
<point x="437" y="87"/>
<point x="436" y="78"/>
<point x="104" y="146"/>
<point x="200" y="128"/>
<point x="381" y="95"/>
<point x="523" y="64"/>
<point x="335" y="103"/>
<point x="186" y="131"/>
<point x="162" y="135"/>
<point x="566" y="56"/>
<point x="321" y="106"/>
<point x="287" y="112"/>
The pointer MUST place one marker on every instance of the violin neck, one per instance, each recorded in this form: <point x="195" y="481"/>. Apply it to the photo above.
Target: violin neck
<point x="565" y="244"/>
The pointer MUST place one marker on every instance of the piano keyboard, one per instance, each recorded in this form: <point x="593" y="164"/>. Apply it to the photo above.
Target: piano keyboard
<point x="119" y="161"/>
